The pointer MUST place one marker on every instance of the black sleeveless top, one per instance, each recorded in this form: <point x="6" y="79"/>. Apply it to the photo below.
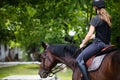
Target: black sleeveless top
<point x="102" y="29"/>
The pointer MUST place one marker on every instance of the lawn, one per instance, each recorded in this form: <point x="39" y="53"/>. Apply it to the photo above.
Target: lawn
<point x="30" y="69"/>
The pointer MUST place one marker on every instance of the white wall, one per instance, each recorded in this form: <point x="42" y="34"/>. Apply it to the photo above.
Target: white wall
<point x="13" y="52"/>
<point x="2" y="56"/>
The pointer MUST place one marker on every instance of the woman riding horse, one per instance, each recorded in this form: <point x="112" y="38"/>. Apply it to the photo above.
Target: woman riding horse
<point x="100" y="24"/>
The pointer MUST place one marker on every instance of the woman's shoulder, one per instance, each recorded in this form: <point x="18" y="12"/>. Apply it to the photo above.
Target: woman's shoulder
<point x="95" y="21"/>
<point x="96" y="17"/>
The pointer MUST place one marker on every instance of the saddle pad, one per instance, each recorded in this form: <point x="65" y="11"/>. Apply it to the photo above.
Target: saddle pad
<point x="96" y="63"/>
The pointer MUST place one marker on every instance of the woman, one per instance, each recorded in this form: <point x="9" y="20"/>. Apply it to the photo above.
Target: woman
<point x="100" y="24"/>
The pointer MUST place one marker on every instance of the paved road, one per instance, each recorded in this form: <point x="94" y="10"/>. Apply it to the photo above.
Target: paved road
<point x="28" y="77"/>
<point x="6" y="64"/>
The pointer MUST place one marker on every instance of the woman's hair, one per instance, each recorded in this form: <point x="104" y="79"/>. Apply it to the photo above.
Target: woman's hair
<point x="104" y="15"/>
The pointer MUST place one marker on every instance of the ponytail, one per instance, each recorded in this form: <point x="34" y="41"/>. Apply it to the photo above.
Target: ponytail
<point x="104" y="15"/>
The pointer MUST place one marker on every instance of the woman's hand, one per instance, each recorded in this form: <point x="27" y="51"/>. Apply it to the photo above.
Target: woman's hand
<point x="81" y="45"/>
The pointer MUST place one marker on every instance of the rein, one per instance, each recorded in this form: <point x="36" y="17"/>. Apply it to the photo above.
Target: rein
<point x="60" y="67"/>
<point x="56" y="70"/>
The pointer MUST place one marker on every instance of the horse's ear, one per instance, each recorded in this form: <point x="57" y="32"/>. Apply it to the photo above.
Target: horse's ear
<point x="44" y="45"/>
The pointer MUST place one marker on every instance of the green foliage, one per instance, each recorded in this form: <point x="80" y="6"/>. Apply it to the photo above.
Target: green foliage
<point x="113" y="9"/>
<point x="28" y="22"/>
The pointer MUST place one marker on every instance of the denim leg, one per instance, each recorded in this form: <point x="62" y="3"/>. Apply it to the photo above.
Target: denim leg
<point x="89" y="51"/>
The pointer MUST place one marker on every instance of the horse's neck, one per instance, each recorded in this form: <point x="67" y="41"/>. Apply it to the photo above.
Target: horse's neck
<point x="68" y="61"/>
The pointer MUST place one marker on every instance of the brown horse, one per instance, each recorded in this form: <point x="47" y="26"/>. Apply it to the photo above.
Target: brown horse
<point x="61" y="53"/>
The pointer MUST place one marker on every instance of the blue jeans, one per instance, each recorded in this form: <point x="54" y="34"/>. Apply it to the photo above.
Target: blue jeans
<point x="91" y="50"/>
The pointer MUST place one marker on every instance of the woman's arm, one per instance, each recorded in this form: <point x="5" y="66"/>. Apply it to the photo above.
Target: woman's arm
<point x="93" y="36"/>
<point x="88" y="36"/>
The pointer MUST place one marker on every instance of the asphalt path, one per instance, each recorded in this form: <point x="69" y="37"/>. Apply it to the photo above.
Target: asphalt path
<point x="29" y="77"/>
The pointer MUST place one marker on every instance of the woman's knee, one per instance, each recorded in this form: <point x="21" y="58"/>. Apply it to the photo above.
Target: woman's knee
<point x="79" y="59"/>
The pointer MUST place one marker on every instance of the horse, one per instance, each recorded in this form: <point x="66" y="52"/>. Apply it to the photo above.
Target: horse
<point x="67" y="54"/>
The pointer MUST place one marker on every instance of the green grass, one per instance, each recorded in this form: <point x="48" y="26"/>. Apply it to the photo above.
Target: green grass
<point x="30" y="69"/>
<point x="19" y="70"/>
<point x="65" y="75"/>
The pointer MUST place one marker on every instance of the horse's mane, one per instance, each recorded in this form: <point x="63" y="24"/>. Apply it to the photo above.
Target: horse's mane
<point x="63" y="49"/>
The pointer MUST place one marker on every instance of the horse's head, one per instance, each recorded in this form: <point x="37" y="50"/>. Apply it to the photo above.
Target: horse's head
<point x="47" y="62"/>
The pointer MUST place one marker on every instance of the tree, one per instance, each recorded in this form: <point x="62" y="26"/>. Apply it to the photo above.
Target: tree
<point x="28" y="22"/>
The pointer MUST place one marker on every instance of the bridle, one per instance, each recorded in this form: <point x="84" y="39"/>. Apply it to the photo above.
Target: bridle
<point x="51" y="72"/>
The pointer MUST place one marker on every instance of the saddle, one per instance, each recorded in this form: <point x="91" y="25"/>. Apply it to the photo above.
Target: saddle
<point x="95" y="62"/>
